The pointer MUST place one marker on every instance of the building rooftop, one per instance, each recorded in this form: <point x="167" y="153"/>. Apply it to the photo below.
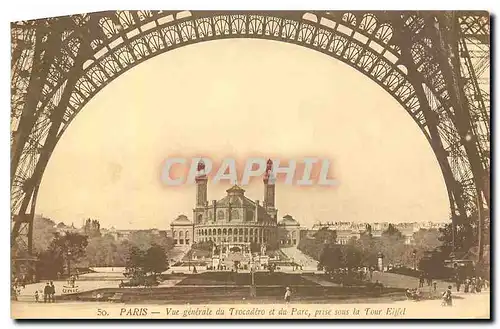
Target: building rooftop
<point x="288" y="221"/>
<point x="181" y="220"/>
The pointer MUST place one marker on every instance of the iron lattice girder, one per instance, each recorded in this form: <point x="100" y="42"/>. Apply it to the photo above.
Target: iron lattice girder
<point x="109" y="43"/>
<point x="428" y="51"/>
<point x="449" y="58"/>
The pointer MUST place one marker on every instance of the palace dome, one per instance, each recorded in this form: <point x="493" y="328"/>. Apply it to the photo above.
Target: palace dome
<point x="288" y="221"/>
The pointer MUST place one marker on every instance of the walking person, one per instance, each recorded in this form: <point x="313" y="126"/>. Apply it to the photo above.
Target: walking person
<point x="479" y="284"/>
<point x="52" y="292"/>
<point x="421" y="281"/>
<point x="36" y="296"/>
<point x="13" y="292"/>
<point x="46" y="293"/>
<point x="447" y="298"/>
<point x="288" y="295"/>
<point x="473" y="285"/>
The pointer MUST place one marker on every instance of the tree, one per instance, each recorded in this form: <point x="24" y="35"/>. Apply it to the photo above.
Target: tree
<point x="427" y="239"/>
<point x="325" y="235"/>
<point x="64" y="248"/>
<point x="465" y="237"/>
<point x="146" y="238"/>
<point x="43" y="233"/>
<point x="466" y="232"/>
<point x="70" y="243"/>
<point x="352" y="256"/>
<point x="432" y="263"/>
<point x="135" y="265"/>
<point x="143" y="267"/>
<point x="331" y="258"/>
<point x="155" y="260"/>
<point x="48" y="265"/>
<point x="105" y="251"/>
<point x="311" y="247"/>
<point x="392" y="245"/>
<point x="392" y="231"/>
<point x="367" y="246"/>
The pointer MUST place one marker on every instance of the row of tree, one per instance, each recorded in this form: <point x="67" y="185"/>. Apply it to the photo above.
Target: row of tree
<point x="57" y="252"/>
<point x="365" y="250"/>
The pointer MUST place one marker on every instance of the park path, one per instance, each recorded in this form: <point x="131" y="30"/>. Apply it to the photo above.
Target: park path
<point x="403" y="281"/>
<point x="28" y="293"/>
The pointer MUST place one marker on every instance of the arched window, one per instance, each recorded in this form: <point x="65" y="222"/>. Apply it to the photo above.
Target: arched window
<point x="219" y="231"/>
<point x="200" y="218"/>
<point x="181" y="234"/>
<point x="230" y="231"/>
<point x="246" y="231"/>
<point x="220" y="214"/>
<point x="214" y="232"/>
<point x="235" y="214"/>
<point x="187" y="234"/>
<point x="293" y="234"/>
<point x="241" y="232"/>
<point x="224" y="231"/>
<point x="175" y="234"/>
<point x="251" y="231"/>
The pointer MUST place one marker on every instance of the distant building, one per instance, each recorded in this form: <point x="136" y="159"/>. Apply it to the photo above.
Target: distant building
<point x="348" y="230"/>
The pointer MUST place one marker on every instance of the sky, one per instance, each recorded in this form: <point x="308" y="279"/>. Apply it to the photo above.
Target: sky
<point x="242" y="98"/>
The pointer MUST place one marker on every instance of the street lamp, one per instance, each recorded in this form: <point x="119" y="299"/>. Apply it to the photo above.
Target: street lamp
<point x="380" y="261"/>
<point x="69" y="263"/>
<point x="253" y="291"/>
<point x="414" y="259"/>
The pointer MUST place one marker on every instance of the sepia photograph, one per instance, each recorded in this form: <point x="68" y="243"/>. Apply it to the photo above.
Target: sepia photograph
<point x="239" y="164"/>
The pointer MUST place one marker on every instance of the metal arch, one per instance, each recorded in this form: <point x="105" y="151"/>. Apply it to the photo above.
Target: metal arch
<point x="308" y="34"/>
<point x="116" y="41"/>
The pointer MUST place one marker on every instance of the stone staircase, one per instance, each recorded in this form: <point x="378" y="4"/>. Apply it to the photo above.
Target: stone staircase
<point x="307" y="263"/>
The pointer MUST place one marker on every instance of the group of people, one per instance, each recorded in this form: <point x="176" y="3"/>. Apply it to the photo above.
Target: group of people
<point x="472" y="284"/>
<point x="15" y="290"/>
<point x="425" y="278"/>
<point x="49" y="293"/>
<point x="414" y="294"/>
<point x="72" y="280"/>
